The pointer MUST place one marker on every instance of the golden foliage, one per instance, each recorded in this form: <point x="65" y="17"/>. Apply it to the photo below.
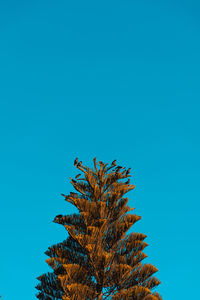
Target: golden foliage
<point x="97" y="253"/>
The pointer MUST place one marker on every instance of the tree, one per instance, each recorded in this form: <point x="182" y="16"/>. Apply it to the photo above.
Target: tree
<point x="98" y="260"/>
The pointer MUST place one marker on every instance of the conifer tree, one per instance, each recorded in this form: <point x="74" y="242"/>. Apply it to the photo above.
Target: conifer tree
<point x="99" y="260"/>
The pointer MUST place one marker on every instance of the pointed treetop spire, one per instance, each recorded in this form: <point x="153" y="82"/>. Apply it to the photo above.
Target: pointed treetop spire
<point x="99" y="260"/>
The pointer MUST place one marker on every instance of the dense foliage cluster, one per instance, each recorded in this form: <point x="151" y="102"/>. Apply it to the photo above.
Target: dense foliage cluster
<point x="98" y="260"/>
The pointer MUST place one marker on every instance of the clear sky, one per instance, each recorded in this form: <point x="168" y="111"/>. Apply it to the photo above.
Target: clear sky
<point x="111" y="79"/>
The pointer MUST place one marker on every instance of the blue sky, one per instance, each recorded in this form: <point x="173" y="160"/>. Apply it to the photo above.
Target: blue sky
<point x="111" y="79"/>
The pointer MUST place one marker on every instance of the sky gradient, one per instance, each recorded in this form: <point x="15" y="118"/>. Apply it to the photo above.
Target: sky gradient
<point x="111" y="79"/>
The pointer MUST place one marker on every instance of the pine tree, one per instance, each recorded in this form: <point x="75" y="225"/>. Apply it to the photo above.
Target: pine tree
<point x="99" y="260"/>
